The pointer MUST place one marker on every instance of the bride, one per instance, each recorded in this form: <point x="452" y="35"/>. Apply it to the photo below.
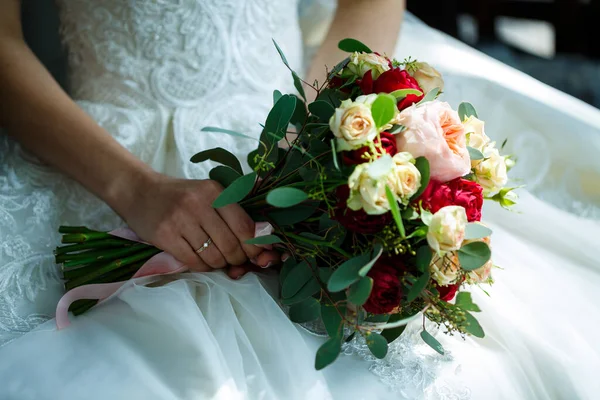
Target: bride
<point x="146" y="77"/>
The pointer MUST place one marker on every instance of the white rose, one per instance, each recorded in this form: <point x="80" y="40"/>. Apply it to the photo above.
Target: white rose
<point x="352" y="123"/>
<point x="445" y="270"/>
<point x="406" y="178"/>
<point x="360" y="63"/>
<point x="476" y="137"/>
<point x="491" y="172"/>
<point x="447" y="229"/>
<point x="427" y="76"/>
<point x="367" y="186"/>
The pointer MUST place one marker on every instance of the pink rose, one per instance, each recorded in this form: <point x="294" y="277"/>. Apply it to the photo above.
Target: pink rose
<point x="434" y="130"/>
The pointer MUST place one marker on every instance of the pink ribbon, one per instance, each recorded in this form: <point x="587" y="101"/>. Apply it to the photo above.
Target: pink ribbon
<point x="160" y="264"/>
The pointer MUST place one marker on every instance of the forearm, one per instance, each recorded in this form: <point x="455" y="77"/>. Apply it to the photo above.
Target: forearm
<point x="37" y="112"/>
<point x="375" y="23"/>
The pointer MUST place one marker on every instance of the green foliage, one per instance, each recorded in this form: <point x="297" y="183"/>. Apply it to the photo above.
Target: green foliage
<point x="423" y="258"/>
<point x="332" y="319"/>
<point x="465" y="110"/>
<point x="432" y="342"/>
<point x="473" y="327"/>
<point x="298" y="85"/>
<point x="402" y="93"/>
<point x="322" y="110"/>
<point x="377" y="251"/>
<point x="477" y="231"/>
<point x="337" y="68"/>
<point x="352" y="45"/>
<point x="422" y="165"/>
<point x="296" y="278"/>
<point x="224" y="175"/>
<point x="475" y="154"/>
<point x="279" y="117"/>
<point x="464" y="301"/>
<point x="287" y="266"/>
<point x="276" y="96"/>
<point x="377" y="344"/>
<point x="383" y="109"/>
<point x="305" y="311"/>
<point x="236" y="191"/>
<point x="359" y="291"/>
<point x="418" y="287"/>
<point x="328" y="352"/>
<point x="430" y="96"/>
<point x="395" y="210"/>
<point x="347" y="273"/>
<point x="294" y="215"/>
<point x="474" y="255"/>
<point x="284" y="197"/>
<point x="226" y="131"/>
<point x="220" y="155"/>
<point x="311" y="288"/>
<point x="262" y="240"/>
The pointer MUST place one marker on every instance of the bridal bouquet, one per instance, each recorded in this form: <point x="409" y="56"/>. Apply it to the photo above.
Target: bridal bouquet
<point x="378" y="198"/>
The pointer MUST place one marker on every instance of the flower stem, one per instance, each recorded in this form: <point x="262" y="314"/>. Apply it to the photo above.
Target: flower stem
<point x="74" y="229"/>
<point x="111" y="243"/>
<point x="76" y="260"/>
<point x="85" y="237"/>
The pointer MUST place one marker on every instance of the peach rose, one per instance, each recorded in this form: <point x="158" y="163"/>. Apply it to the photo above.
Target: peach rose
<point x="435" y="131"/>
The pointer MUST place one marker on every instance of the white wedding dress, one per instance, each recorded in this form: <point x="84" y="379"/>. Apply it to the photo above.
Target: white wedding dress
<point x="153" y="73"/>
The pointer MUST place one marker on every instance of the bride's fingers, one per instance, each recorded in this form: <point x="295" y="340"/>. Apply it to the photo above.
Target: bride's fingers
<point x="267" y="259"/>
<point x="242" y="227"/>
<point x="237" y="271"/>
<point x="223" y="238"/>
<point x="211" y="255"/>
<point x="183" y="252"/>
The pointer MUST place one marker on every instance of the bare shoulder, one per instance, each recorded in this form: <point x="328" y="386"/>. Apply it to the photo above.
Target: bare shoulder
<point x="10" y="18"/>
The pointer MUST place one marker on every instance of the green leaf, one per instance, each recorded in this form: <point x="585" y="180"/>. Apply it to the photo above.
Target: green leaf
<point x="477" y="231"/>
<point x="377" y="252"/>
<point x="280" y="115"/>
<point x="312" y="287"/>
<point x="276" y="96"/>
<point x="236" y="191"/>
<point x="287" y="266"/>
<point x="422" y="165"/>
<point x="224" y="175"/>
<point x="395" y="211"/>
<point x="474" y="255"/>
<point x="298" y="85"/>
<point x="419" y="285"/>
<point x="299" y="117"/>
<point x="432" y="342"/>
<point x="267" y="239"/>
<point x="352" y="45"/>
<point x="347" y="273"/>
<point x="423" y="259"/>
<point x="220" y="155"/>
<point x="328" y="352"/>
<point x="475" y="154"/>
<point x="379" y="318"/>
<point x="291" y="216"/>
<point x="331" y="319"/>
<point x="325" y="274"/>
<point x="464" y="301"/>
<point x="321" y="109"/>
<point x="473" y="326"/>
<point x="395" y="129"/>
<point x="334" y="155"/>
<point x="226" y="131"/>
<point x="377" y="344"/>
<point x="296" y="279"/>
<point x="383" y="109"/>
<point x="284" y="197"/>
<point x="402" y="93"/>
<point x="393" y="333"/>
<point x="307" y="310"/>
<point x="430" y="96"/>
<point x="338" y="67"/>
<point x="465" y="110"/>
<point x="359" y="291"/>
<point x="285" y="61"/>
<point x="410" y="214"/>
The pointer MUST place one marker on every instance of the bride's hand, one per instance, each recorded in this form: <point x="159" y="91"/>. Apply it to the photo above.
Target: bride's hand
<point x="176" y="216"/>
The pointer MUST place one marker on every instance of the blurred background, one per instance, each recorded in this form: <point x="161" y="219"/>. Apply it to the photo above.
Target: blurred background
<point x="555" y="41"/>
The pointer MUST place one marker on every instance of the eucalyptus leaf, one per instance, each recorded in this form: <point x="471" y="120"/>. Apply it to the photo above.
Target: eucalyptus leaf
<point x="331" y="319"/>
<point x="220" y="155"/>
<point x="262" y="240"/>
<point x="227" y="132"/>
<point x="224" y="175"/>
<point x="464" y="301"/>
<point x="328" y="352"/>
<point x="334" y="155"/>
<point x="422" y="165"/>
<point x="377" y="344"/>
<point x="410" y="214"/>
<point x="430" y="96"/>
<point x="377" y="252"/>
<point x="280" y="115"/>
<point x="423" y="259"/>
<point x="474" y="255"/>
<point x="287" y="266"/>
<point x="465" y="110"/>
<point x="298" y="85"/>
<point x="419" y="285"/>
<point x="432" y="342"/>
<point x="321" y="109"/>
<point x="347" y="273"/>
<point x="235" y="192"/>
<point x="383" y="109"/>
<point x="360" y="291"/>
<point x="332" y="96"/>
<point x="276" y="96"/>
<point x="477" y="231"/>
<point x="402" y="93"/>
<point x="395" y="211"/>
<point x="475" y="154"/>
<point x="284" y="197"/>
<point x="352" y="45"/>
<point x="296" y="279"/>
<point x="379" y="318"/>
<point x="338" y="67"/>
<point x="294" y="215"/>
<point x="395" y="129"/>
<point x="305" y="311"/>
<point x="285" y="61"/>
<point x="473" y="326"/>
<point x="393" y="333"/>
<point x="311" y="288"/>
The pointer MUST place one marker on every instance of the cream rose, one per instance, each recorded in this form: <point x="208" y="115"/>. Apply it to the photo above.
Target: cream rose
<point x="476" y="137"/>
<point x="491" y="172"/>
<point x="434" y="130"/>
<point x="360" y="63"/>
<point x="406" y="178"/>
<point x="447" y="229"/>
<point x="427" y="76"/>
<point x="352" y="123"/>
<point x="445" y="270"/>
<point x="367" y="186"/>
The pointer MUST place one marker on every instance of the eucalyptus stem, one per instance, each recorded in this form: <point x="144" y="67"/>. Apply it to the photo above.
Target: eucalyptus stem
<point x="111" y="266"/>
<point x="96" y="244"/>
<point x="317" y="243"/>
<point x="74" y="229"/>
<point x="102" y="255"/>
<point x="85" y="237"/>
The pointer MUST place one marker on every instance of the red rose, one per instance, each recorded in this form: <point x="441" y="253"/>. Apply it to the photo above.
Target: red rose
<point x="386" y="293"/>
<point x="358" y="221"/>
<point x="457" y="192"/>
<point x="389" y="81"/>
<point x="447" y="293"/>
<point x="388" y="142"/>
